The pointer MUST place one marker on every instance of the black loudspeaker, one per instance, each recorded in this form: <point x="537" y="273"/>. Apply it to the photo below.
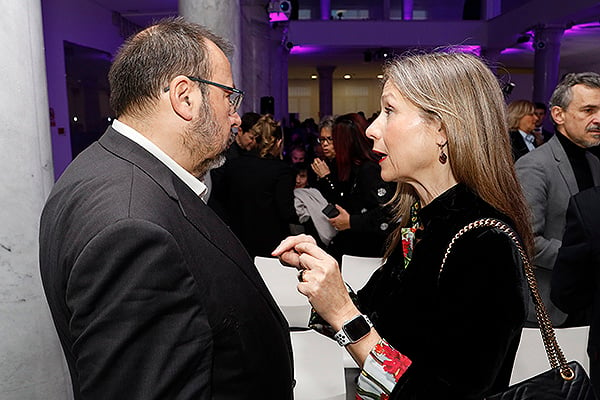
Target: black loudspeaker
<point x="267" y="105"/>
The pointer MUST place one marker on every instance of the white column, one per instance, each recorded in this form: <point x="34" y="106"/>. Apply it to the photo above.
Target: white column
<point x="31" y="362"/>
<point x="223" y="18"/>
<point x="257" y="71"/>
<point x="546" y="61"/>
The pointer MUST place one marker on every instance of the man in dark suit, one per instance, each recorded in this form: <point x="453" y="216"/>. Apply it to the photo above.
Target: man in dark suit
<point x="152" y="296"/>
<point x="542" y="135"/>
<point x="576" y="278"/>
<point x="558" y="169"/>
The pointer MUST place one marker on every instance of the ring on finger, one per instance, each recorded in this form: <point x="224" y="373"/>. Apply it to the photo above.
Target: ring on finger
<point x="301" y="275"/>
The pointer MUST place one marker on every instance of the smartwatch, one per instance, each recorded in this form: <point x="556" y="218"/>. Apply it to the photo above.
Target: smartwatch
<point x="354" y="330"/>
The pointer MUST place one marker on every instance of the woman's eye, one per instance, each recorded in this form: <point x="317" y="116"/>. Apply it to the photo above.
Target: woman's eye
<point x="387" y="110"/>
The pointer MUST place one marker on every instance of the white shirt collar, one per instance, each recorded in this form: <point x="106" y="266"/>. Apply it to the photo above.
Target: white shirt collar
<point x="526" y="138"/>
<point x="190" y="180"/>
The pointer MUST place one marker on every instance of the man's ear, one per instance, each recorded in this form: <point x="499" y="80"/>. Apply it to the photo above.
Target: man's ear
<point x="181" y="96"/>
<point x="557" y="114"/>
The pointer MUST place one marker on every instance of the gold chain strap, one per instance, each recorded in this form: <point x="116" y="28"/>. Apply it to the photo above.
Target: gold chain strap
<point x="553" y="350"/>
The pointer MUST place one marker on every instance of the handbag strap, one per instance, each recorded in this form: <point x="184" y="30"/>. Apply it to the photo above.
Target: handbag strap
<point x="555" y="354"/>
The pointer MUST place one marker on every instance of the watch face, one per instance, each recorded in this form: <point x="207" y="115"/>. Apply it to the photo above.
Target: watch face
<point x="357" y="328"/>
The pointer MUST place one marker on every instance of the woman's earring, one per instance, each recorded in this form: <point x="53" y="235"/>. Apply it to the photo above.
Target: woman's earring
<point x="443" y="157"/>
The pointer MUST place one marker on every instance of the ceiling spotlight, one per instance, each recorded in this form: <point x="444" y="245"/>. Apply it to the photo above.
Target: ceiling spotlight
<point x="347" y="76"/>
<point x="313" y="76"/>
<point x="380" y="76"/>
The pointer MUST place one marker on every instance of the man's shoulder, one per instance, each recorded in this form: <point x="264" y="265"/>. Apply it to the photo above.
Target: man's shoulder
<point x="542" y="155"/>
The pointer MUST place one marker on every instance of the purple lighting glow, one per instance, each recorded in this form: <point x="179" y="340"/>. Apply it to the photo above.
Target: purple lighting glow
<point x="473" y="49"/>
<point x="512" y="50"/>
<point x="305" y="49"/>
<point x="277" y="16"/>
<point x="579" y="29"/>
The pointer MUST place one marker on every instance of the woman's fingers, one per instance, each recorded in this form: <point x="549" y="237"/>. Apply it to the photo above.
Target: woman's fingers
<point x="287" y="252"/>
<point x="290" y="242"/>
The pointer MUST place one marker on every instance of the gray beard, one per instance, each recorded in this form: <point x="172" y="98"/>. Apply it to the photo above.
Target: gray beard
<point x="200" y="139"/>
<point x="210" y="163"/>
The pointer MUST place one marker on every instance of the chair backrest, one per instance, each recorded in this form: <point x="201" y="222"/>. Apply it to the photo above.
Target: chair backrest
<point x="282" y="283"/>
<point x="356" y="271"/>
<point x="318" y="367"/>
<point x="531" y="357"/>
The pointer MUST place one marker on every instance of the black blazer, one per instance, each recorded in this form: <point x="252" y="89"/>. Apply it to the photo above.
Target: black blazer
<point x="576" y="275"/>
<point x="519" y="147"/>
<point x="363" y="196"/>
<point x="257" y="195"/>
<point x="152" y="296"/>
<point x="467" y="319"/>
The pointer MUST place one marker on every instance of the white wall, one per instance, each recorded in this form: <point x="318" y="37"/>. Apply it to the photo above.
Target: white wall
<point x="31" y="364"/>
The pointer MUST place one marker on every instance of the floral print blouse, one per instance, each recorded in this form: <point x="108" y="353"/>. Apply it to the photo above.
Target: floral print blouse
<point x="385" y="365"/>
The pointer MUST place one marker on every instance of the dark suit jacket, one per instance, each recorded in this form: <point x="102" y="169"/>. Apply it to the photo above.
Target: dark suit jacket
<point x="519" y="147"/>
<point x="576" y="278"/>
<point x="548" y="181"/>
<point x="257" y="195"/>
<point x="152" y="296"/>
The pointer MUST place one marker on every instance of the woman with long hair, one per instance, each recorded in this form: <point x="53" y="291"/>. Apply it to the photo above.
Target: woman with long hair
<point x="420" y="332"/>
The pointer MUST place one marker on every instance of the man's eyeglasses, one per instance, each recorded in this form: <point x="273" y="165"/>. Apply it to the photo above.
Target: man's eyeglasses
<point x="235" y="95"/>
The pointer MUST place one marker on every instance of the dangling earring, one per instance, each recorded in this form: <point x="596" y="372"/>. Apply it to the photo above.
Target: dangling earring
<point x="443" y="157"/>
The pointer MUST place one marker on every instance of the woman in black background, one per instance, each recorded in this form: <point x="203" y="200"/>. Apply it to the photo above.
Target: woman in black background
<point x="418" y="333"/>
<point x="358" y="192"/>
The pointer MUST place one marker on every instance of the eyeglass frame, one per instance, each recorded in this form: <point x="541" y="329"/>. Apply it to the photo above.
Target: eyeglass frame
<point x="234" y="101"/>
<point x="325" y="139"/>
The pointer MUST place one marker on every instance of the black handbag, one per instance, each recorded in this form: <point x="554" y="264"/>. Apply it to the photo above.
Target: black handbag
<point x="565" y="380"/>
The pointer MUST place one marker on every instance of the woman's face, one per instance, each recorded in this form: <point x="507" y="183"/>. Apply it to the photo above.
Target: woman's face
<point x="326" y="140"/>
<point x="408" y="143"/>
<point x="301" y="179"/>
<point x="527" y="122"/>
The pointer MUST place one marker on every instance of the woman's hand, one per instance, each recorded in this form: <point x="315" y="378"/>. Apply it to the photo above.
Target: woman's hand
<point x="342" y="221"/>
<point x="320" y="167"/>
<point x="321" y="281"/>
<point x="286" y="251"/>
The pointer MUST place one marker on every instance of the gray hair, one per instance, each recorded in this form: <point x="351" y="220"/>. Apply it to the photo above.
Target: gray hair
<point x="563" y="93"/>
<point x="459" y="91"/>
<point x="326" y="122"/>
<point x="150" y="59"/>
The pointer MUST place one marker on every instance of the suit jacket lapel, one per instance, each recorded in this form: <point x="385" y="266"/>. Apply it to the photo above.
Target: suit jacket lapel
<point x="564" y="166"/>
<point x="215" y="230"/>
<point x="192" y="207"/>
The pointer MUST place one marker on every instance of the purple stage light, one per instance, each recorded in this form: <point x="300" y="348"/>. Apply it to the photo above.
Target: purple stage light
<point x="277" y="17"/>
<point x="298" y="49"/>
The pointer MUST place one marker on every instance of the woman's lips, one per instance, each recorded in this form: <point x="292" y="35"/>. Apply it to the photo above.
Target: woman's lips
<point x="380" y="156"/>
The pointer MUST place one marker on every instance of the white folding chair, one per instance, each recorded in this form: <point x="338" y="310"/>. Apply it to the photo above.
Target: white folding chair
<point x="318" y="367"/>
<point x="282" y="282"/>
<point x="356" y="271"/>
<point x="531" y="356"/>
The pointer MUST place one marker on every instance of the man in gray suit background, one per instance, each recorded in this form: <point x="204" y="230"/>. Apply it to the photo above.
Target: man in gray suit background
<point x="152" y="295"/>
<point x="555" y="171"/>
